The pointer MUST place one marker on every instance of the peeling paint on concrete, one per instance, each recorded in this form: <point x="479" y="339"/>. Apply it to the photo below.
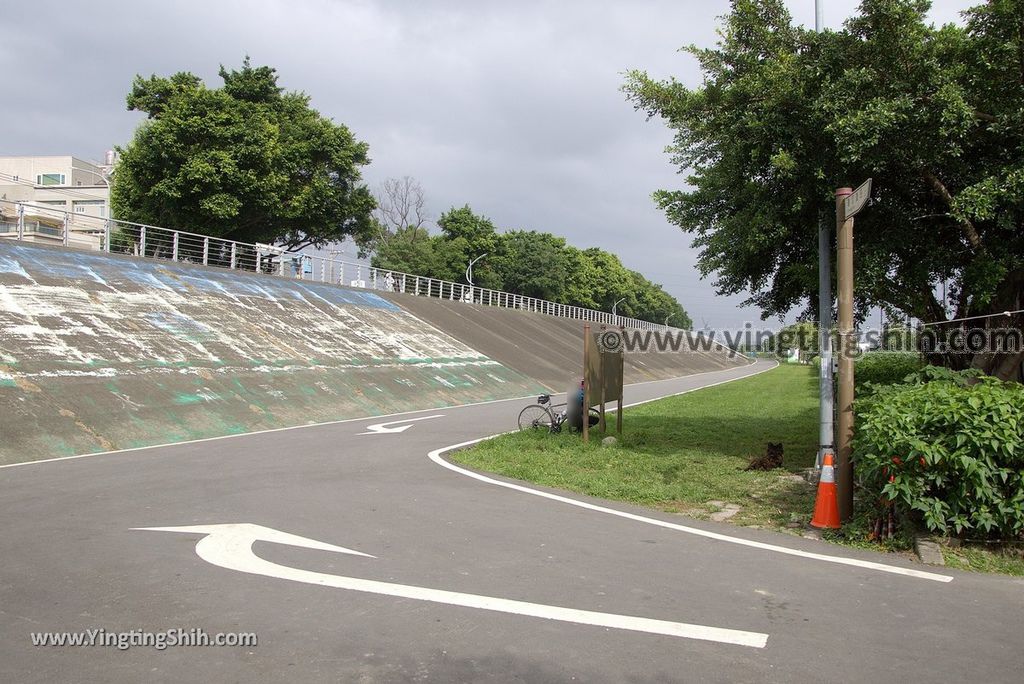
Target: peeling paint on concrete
<point x="141" y="352"/>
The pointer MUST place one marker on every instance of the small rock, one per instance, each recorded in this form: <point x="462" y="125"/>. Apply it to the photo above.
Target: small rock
<point x="928" y="551"/>
<point x="727" y="512"/>
<point x="609" y="441"/>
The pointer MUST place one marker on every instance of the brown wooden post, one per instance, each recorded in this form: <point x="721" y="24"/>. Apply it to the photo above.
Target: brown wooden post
<point x="601" y="379"/>
<point x="586" y="360"/>
<point x="844" y="404"/>
<point x="622" y="384"/>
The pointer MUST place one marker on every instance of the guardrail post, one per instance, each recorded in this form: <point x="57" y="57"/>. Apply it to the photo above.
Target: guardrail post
<point x="323" y="270"/>
<point x="106" y="235"/>
<point x="280" y="264"/>
<point x="206" y="251"/>
<point x="21" y="221"/>
<point x="65" y="229"/>
<point x="403" y="284"/>
<point x="174" y="246"/>
<point x="234" y="254"/>
<point x="142" y="241"/>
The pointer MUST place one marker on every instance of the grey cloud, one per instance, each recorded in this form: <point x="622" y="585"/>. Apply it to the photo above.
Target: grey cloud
<point x="511" y="107"/>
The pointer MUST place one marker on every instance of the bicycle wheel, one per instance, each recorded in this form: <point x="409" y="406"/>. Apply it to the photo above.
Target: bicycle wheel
<point x="536" y="417"/>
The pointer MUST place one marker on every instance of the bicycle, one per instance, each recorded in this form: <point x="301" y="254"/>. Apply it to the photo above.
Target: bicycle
<point x="543" y="415"/>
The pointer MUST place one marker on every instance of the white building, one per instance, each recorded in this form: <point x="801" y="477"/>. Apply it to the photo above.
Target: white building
<point x="55" y="193"/>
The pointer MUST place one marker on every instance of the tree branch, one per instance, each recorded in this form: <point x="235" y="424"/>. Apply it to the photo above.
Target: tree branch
<point x="966" y="227"/>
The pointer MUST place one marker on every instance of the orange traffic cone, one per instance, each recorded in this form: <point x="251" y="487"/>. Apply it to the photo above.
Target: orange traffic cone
<point x="826" y="506"/>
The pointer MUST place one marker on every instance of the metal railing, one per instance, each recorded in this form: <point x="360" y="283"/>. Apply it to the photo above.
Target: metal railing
<point x="25" y="221"/>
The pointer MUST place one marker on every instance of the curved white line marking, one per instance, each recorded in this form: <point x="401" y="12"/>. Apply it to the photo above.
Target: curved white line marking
<point x="230" y="546"/>
<point x="436" y="457"/>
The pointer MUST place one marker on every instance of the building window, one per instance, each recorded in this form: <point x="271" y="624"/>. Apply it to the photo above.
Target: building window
<point x="50" y="179"/>
<point x="90" y="207"/>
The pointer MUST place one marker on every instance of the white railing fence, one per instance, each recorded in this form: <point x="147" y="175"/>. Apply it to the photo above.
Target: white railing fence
<point x="40" y="223"/>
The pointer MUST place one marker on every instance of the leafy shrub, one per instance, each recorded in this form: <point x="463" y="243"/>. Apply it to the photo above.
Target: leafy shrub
<point x="947" y="452"/>
<point x="886" y="368"/>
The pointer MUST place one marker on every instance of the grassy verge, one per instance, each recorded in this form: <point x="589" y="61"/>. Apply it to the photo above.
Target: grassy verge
<point x="686" y="454"/>
<point x="980" y="559"/>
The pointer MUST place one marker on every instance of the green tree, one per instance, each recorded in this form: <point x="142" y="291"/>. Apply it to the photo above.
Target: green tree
<point x="533" y="264"/>
<point x="246" y="161"/>
<point x="934" y="115"/>
<point x="465" y="236"/>
<point x="411" y="250"/>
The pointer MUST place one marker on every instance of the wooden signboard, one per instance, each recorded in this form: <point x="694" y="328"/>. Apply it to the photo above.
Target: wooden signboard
<point x="603" y="365"/>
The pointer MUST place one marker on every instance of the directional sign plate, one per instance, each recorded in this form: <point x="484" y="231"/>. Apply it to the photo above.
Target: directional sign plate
<point x="855" y="202"/>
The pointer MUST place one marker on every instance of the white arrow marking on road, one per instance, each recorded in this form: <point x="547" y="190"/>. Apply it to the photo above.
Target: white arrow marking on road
<point x="383" y="429"/>
<point x="230" y="546"/>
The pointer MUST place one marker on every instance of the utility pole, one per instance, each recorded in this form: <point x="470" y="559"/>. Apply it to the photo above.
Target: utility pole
<point x="826" y="400"/>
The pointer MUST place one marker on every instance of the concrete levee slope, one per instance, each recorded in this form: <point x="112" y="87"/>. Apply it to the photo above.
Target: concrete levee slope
<point x="101" y="352"/>
<point x="550" y="349"/>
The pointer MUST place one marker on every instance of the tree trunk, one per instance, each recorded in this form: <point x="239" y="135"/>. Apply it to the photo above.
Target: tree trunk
<point x="1007" y="367"/>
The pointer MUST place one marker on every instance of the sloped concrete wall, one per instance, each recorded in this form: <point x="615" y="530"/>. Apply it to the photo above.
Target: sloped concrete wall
<point x="103" y="352"/>
<point x="550" y="349"/>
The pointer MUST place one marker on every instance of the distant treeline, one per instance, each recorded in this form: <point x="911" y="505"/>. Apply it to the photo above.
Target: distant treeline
<point x="530" y="263"/>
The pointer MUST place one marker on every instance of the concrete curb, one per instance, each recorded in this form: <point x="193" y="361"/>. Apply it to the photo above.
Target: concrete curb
<point x="928" y="550"/>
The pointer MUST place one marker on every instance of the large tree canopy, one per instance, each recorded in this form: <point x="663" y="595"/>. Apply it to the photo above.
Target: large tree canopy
<point x="246" y="161"/>
<point x="786" y="115"/>
<point x="531" y="263"/>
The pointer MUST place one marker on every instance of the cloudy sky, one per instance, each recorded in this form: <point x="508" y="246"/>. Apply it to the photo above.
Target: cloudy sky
<point x="511" y="107"/>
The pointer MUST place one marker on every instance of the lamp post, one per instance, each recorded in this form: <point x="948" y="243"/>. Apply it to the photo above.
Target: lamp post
<point x="668" y="317"/>
<point x="101" y="176"/>
<point x="615" y="306"/>
<point x="469" y="269"/>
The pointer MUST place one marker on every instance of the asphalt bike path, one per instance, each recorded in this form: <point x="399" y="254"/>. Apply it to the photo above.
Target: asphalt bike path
<point x="356" y="552"/>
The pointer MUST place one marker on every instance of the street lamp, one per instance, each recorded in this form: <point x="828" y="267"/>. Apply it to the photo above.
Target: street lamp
<point x="102" y="177"/>
<point x="469" y="269"/>
<point x="668" y="317"/>
<point x="616" y="305"/>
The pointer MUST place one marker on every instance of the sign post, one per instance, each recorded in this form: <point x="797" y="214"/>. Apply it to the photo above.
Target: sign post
<point x="848" y="203"/>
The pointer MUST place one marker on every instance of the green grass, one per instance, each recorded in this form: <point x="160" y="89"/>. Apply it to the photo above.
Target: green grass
<point x="679" y="454"/>
<point x="980" y="559"/>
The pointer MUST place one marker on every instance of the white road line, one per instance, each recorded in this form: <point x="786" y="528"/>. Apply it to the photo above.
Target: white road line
<point x="230" y="546"/>
<point x="436" y="457"/>
<point x="263" y="432"/>
<point x="313" y="425"/>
